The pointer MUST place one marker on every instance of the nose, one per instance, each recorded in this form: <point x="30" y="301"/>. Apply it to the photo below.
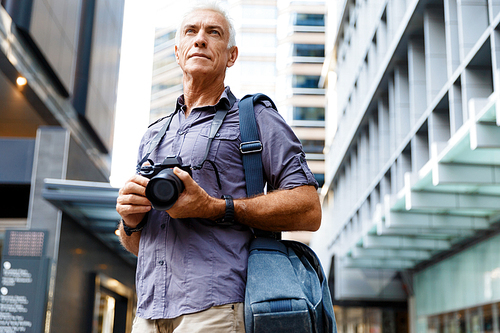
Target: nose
<point x="200" y="40"/>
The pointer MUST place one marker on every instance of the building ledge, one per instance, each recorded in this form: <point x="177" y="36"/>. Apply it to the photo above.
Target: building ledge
<point x="449" y="202"/>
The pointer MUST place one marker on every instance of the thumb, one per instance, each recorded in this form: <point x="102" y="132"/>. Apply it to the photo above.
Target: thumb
<point x="183" y="175"/>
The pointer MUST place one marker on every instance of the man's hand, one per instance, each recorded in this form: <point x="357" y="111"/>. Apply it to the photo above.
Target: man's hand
<point x="132" y="203"/>
<point x="194" y="202"/>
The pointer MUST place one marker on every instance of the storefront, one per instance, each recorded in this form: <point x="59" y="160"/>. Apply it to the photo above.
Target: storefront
<point x="461" y="293"/>
<point x="371" y="319"/>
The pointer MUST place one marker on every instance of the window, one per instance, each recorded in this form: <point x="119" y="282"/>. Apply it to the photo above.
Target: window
<point x="165" y="38"/>
<point x="305" y="81"/>
<point x="309" y="50"/>
<point x="320" y="178"/>
<point x="168" y="83"/>
<point x="309" y="19"/>
<point x="164" y="61"/>
<point x="313" y="146"/>
<point x="308" y="113"/>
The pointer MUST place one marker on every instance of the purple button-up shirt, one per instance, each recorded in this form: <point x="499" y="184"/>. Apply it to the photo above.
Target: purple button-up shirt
<point x="189" y="265"/>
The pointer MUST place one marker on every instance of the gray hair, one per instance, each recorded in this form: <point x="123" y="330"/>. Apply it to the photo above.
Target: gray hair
<point x="215" y="6"/>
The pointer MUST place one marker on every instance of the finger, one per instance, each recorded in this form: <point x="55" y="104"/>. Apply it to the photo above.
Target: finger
<point x="141" y="180"/>
<point x="183" y="175"/>
<point x="128" y="210"/>
<point x="133" y="188"/>
<point x="132" y="199"/>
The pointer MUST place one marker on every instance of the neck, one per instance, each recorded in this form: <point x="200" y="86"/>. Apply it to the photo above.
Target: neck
<point x="198" y="94"/>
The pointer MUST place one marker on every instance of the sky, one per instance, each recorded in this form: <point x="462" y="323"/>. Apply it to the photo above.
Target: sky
<point x="134" y="84"/>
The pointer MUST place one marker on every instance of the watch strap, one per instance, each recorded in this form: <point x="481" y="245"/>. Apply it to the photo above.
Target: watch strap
<point x="129" y="231"/>
<point x="228" y="218"/>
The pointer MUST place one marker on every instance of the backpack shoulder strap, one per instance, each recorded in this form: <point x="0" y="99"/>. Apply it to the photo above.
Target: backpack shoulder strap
<point x="251" y="148"/>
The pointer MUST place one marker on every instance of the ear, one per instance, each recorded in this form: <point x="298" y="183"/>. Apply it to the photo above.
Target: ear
<point x="176" y="50"/>
<point x="233" y="55"/>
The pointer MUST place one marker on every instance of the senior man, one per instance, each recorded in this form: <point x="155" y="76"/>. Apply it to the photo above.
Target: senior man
<point x="191" y="270"/>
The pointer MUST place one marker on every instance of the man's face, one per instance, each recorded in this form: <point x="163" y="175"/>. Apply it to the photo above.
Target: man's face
<point x="202" y="48"/>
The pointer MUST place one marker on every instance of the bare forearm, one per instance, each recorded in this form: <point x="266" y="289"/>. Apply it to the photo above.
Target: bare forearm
<point x="130" y="243"/>
<point x="284" y="210"/>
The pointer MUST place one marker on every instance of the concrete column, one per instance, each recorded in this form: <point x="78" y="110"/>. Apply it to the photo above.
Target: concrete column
<point x="412" y="315"/>
<point x="50" y="161"/>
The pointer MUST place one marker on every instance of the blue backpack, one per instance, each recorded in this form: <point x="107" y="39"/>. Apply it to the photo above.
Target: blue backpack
<point x="286" y="290"/>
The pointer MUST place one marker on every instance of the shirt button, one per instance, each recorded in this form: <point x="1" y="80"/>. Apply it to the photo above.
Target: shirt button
<point x="161" y="262"/>
<point x="162" y="226"/>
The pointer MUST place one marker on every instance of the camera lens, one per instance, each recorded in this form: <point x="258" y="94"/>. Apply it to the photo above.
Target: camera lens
<point x="164" y="189"/>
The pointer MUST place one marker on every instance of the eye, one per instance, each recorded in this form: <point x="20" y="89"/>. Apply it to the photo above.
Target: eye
<point x="214" y="32"/>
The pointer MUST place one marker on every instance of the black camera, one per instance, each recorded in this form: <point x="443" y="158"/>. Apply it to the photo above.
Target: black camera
<point x="164" y="186"/>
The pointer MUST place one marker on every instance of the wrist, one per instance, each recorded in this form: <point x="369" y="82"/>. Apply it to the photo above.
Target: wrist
<point x="129" y="230"/>
<point x="229" y="216"/>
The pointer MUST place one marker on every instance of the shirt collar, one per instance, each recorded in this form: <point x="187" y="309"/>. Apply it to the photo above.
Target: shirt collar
<point x="224" y="101"/>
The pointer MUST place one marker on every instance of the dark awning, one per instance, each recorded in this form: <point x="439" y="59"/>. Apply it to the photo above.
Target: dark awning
<point x="92" y="204"/>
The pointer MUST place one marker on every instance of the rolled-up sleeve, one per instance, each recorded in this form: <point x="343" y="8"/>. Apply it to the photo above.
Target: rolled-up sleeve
<point x="283" y="159"/>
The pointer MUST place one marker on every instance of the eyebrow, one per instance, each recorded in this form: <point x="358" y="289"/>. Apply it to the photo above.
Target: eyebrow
<point x="215" y="27"/>
<point x="195" y="26"/>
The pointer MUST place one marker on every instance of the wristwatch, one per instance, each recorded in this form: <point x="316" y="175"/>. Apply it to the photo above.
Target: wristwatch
<point x="129" y="231"/>
<point x="228" y="218"/>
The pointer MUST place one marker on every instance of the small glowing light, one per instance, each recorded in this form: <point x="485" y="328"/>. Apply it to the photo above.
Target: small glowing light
<point x="117" y="232"/>
<point x="21" y="81"/>
<point x="495" y="274"/>
<point x="78" y="251"/>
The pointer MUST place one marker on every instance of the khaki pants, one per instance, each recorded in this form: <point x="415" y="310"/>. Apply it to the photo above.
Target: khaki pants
<point x="227" y="318"/>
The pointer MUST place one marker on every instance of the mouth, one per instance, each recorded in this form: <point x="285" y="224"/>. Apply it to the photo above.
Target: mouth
<point x="199" y="55"/>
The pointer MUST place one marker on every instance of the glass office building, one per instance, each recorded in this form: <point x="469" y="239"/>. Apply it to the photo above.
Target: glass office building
<point x="281" y="51"/>
<point x="63" y="269"/>
<point x="411" y="196"/>
<point x="167" y="75"/>
<point x="300" y="53"/>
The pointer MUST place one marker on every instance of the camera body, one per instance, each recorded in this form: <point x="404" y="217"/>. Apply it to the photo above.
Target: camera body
<point x="164" y="186"/>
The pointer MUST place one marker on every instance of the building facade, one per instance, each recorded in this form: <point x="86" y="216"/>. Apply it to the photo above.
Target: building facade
<point x="299" y="57"/>
<point x="281" y="51"/>
<point x="411" y="196"/>
<point x="62" y="266"/>
<point x="167" y="75"/>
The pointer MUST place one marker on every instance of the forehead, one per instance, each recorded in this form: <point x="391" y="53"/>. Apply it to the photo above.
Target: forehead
<point x="205" y="17"/>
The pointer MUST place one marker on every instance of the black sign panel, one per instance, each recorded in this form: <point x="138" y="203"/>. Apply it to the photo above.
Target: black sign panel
<point x="23" y="286"/>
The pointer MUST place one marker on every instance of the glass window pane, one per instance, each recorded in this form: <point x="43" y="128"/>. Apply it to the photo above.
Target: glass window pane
<point x="488" y="318"/>
<point x="313" y="146"/>
<point x="309" y="19"/>
<point x="165" y="84"/>
<point x="320" y="178"/>
<point x="476" y="320"/>
<point x="309" y="50"/>
<point x="305" y="81"/>
<point x="433" y="323"/>
<point x="165" y="38"/>
<point x="164" y="61"/>
<point x="308" y="113"/>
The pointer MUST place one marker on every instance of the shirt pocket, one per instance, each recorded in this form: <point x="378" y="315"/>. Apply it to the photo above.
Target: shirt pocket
<point x="223" y="152"/>
<point x="224" y="148"/>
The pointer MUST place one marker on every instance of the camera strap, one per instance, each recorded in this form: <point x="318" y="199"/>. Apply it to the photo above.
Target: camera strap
<point x="214" y="128"/>
<point x="154" y="143"/>
<point x="216" y="124"/>
<point x="219" y="117"/>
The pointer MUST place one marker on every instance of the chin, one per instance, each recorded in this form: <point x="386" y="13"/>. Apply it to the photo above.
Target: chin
<point x="199" y="70"/>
